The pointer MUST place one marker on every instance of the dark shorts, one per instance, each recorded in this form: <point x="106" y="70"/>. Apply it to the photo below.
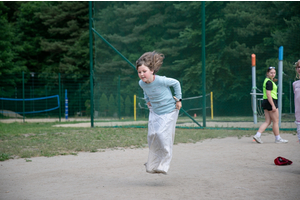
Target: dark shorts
<point x="267" y="106"/>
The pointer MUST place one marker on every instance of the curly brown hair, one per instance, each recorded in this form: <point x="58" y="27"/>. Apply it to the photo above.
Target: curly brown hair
<point x="153" y="60"/>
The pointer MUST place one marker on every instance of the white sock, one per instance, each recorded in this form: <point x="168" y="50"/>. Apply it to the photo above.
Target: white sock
<point x="277" y="137"/>
<point x="258" y="134"/>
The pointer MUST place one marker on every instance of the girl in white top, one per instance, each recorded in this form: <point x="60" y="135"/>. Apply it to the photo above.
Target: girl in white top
<point x="296" y="88"/>
<point x="163" y="109"/>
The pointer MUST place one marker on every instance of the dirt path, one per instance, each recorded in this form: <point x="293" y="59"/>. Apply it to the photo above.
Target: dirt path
<point x="228" y="168"/>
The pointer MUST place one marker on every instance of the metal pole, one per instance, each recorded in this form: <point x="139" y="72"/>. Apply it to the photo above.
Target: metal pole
<point x="80" y="99"/>
<point x="134" y="107"/>
<point x="290" y="96"/>
<point x="280" y="70"/>
<point x="203" y="65"/>
<point x="33" y="89"/>
<point x="46" y="99"/>
<point x="119" y="97"/>
<point x="91" y="63"/>
<point x="16" y="96"/>
<point x="2" y="101"/>
<point x="59" y="94"/>
<point x="66" y="105"/>
<point x="23" y="88"/>
<point x="253" y="61"/>
<point x="132" y="65"/>
<point x="212" y="105"/>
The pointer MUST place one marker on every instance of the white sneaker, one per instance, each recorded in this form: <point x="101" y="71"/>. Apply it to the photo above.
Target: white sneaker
<point x="257" y="139"/>
<point x="281" y="141"/>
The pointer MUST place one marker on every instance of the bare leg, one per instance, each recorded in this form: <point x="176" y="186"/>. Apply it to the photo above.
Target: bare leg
<point x="275" y="119"/>
<point x="267" y="122"/>
<point x="262" y="127"/>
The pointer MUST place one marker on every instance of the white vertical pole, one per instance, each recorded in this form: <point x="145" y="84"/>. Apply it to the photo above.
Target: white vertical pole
<point x="280" y="71"/>
<point x="254" y="88"/>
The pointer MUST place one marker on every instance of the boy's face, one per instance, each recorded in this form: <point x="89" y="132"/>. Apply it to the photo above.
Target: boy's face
<point x="145" y="74"/>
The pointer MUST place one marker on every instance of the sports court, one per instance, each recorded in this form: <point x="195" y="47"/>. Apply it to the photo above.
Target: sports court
<point x="228" y="168"/>
<point x="215" y="91"/>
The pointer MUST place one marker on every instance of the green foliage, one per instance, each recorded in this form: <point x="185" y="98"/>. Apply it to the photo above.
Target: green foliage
<point x="128" y="106"/>
<point x="103" y="104"/>
<point x="88" y="107"/>
<point x="67" y="39"/>
<point x="53" y="37"/>
<point x="5" y="156"/>
<point x="27" y="25"/>
<point x="122" y="107"/>
<point x="8" y="64"/>
<point x="112" y="108"/>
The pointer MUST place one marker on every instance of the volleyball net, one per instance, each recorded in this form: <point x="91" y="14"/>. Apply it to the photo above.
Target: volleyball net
<point x="31" y="106"/>
<point x="34" y="95"/>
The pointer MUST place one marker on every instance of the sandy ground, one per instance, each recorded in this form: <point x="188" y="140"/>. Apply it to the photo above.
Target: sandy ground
<point x="228" y="168"/>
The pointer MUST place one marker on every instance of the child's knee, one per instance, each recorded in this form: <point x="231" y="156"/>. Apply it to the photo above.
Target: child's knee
<point x="268" y="122"/>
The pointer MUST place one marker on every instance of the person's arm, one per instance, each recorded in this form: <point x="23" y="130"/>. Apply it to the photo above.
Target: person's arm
<point x="170" y="82"/>
<point x="178" y="105"/>
<point x="147" y="99"/>
<point x="177" y="90"/>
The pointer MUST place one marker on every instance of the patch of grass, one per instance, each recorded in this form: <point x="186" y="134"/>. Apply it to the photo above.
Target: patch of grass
<point x="5" y="156"/>
<point x="27" y="140"/>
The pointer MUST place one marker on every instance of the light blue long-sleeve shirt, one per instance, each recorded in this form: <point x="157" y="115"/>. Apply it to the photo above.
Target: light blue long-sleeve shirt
<point x="159" y="94"/>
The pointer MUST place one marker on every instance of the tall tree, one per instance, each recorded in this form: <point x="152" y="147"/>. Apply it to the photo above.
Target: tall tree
<point x="9" y="68"/>
<point x="29" y="31"/>
<point x="67" y="44"/>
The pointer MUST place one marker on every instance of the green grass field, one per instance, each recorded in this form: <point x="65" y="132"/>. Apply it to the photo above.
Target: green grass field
<point x="26" y="140"/>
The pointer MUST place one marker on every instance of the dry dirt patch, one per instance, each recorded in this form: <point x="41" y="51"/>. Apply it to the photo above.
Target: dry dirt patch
<point x="228" y="168"/>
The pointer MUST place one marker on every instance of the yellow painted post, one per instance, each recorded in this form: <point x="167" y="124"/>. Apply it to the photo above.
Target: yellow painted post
<point x="134" y="107"/>
<point x="211" y="105"/>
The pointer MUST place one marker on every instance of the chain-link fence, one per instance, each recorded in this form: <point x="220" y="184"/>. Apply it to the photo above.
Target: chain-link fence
<point x="129" y="31"/>
<point x="33" y="95"/>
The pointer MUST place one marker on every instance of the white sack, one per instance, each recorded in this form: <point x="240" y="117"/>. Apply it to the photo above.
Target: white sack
<point x="161" y="134"/>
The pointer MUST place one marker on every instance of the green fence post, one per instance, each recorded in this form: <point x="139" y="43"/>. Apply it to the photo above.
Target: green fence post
<point x="46" y="99"/>
<point x="2" y="102"/>
<point x="62" y="102"/>
<point x="80" y="99"/>
<point x="23" y="96"/>
<point x="119" y="97"/>
<point x="30" y="96"/>
<point x="91" y="63"/>
<point x="16" y="106"/>
<point x="203" y="65"/>
<point x="59" y="114"/>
